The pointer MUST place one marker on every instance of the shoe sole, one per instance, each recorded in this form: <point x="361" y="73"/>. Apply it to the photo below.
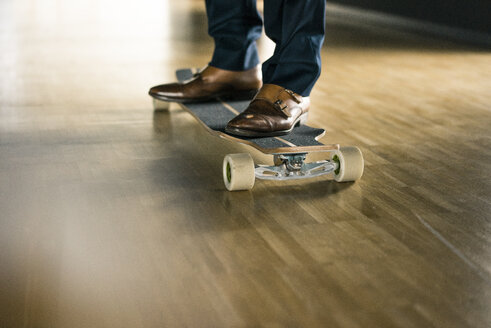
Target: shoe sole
<point x="240" y="95"/>
<point x="301" y="120"/>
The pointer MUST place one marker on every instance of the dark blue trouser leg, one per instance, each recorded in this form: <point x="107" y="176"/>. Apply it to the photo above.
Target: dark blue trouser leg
<point x="297" y="27"/>
<point x="235" y="25"/>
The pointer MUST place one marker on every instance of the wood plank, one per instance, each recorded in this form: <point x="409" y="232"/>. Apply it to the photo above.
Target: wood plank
<point x="112" y="215"/>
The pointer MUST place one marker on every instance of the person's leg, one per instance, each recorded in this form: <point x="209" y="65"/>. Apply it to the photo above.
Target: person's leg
<point x="235" y="25"/>
<point x="234" y="70"/>
<point x="297" y="27"/>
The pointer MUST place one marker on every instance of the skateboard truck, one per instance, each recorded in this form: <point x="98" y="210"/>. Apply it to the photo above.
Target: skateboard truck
<point x="239" y="171"/>
<point x="293" y="166"/>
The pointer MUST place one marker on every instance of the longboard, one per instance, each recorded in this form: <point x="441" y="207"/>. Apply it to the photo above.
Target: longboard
<point x="289" y="151"/>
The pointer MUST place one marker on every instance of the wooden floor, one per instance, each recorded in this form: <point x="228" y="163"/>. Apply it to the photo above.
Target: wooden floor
<point x="112" y="215"/>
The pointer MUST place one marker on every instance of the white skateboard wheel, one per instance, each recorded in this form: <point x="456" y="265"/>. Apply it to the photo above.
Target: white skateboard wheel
<point x="238" y="172"/>
<point x="351" y="164"/>
<point x="160" y="105"/>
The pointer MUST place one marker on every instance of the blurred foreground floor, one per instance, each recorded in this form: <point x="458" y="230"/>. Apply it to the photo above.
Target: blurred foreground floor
<point x="112" y="215"/>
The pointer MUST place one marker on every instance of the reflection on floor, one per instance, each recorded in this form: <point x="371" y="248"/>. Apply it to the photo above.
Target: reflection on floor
<point x="113" y="215"/>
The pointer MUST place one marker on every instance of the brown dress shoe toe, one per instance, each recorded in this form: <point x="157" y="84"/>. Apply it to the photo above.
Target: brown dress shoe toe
<point x="211" y="83"/>
<point x="274" y="111"/>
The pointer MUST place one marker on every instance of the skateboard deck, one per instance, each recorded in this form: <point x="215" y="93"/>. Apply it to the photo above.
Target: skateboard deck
<point x="289" y="151"/>
<point x="215" y="115"/>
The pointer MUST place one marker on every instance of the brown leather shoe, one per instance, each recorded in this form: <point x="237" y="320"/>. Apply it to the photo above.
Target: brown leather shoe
<point x="274" y="111"/>
<point x="210" y="83"/>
